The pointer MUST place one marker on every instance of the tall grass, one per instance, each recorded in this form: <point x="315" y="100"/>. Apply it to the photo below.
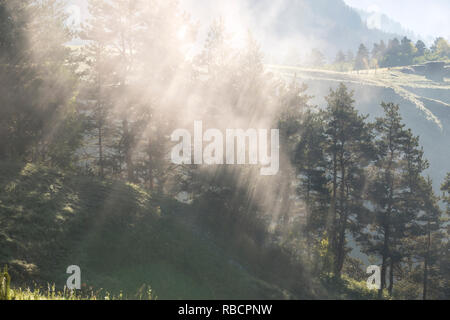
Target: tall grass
<point x="50" y="293"/>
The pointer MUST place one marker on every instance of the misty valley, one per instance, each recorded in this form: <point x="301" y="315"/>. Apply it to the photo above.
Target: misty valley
<point x="227" y="150"/>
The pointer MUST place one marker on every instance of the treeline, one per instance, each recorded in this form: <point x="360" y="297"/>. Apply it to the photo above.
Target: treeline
<point x="395" y="54"/>
<point x="107" y="108"/>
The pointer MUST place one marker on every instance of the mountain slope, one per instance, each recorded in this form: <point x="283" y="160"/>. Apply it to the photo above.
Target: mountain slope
<point x="289" y="27"/>
<point x="331" y="24"/>
<point x="380" y="21"/>
<point x="424" y="104"/>
<point x="119" y="236"/>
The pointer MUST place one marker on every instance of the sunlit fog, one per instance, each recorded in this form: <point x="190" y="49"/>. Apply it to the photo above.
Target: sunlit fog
<point x="211" y="150"/>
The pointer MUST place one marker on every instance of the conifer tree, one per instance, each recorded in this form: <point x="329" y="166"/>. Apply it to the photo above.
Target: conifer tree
<point x="311" y="166"/>
<point x="348" y="150"/>
<point x="362" y="58"/>
<point x="37" y="118"/>
<point x="395" y="191"/>
<point x="430" y="223"/>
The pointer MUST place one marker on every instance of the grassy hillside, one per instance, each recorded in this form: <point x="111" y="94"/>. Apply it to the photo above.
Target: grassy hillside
<point x="117" y="233"/>
<point x="128" y="244"/>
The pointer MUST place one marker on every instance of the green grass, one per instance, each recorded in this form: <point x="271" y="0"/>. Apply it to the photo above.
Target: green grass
<point x="347" y="288"/>
<point x="51" y="294"/>
<point x="120" y="236"/>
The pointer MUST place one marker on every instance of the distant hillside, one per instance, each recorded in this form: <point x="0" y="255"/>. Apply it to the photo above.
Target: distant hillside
<point x="284" y="27"/>
<point x="424" y="103"/>
<point x="327" y="25"/>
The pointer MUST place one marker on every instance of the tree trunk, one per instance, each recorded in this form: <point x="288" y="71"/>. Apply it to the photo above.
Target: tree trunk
<point x="100" y="151"/>
<point x="150" y="164"/>
<point x="340" y="236"/>
<point x="386" y="227"/>
<point x="425" y="268"/>
<point x="425" y="279"/>
<point x="341" y="248"/>
<point x="391" y="276"/>
<point x="285" y="203"/>
<point x="332" y="236"/>
<point x="385" y="255"/>
<point x="308" y="218"/>
<point x="128" y="150"/>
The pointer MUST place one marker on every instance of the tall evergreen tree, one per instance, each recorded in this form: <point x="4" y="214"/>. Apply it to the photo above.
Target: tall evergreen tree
<point x="421" y="48"/>
<point x="38" y="83"/>
<point x="362" y="58"/>
<point x="430" y="222"/>
<point x="311" y="166"/>
<point x="348" y="151"/>
<point x="136" y="57"/>
<point x="412" y="164"/>
<point x="385" y="186"/>
<point x="408" y="50"/>
<point x="395" y="191"/>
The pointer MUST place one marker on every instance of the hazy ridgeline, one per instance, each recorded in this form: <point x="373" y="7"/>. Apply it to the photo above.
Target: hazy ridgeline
<point x="107" y="107"/>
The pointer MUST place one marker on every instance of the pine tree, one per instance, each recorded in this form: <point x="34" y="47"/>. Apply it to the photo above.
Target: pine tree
<point x="378" y="50"/>
<point x="100" y="81"/>
<point x="430" y="223"/>
<point x="311" y="166"/>
<point x="386" y="184"/>
<point x="348" y="151"/>
<point x="34" y="58"/>
<point x="392" y="56"/>
<point x="294" y="104"/>
<point x="115" y="33"/>
<point x="408" y="50"/>
<point x="135" y="49"/>
<point x="395" y="191"/>
<point x="412" y="164"/>
<point x="421" y="48"/>
<point x="362" y="58"/>
<point x="444" y="258"/>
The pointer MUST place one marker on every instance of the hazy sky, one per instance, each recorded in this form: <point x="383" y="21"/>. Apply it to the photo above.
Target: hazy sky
<point x="426" y="18"/>
<point x="423" y="17"/>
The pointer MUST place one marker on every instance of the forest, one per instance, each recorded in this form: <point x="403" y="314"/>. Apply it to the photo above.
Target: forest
<point x="86" y="117"/>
